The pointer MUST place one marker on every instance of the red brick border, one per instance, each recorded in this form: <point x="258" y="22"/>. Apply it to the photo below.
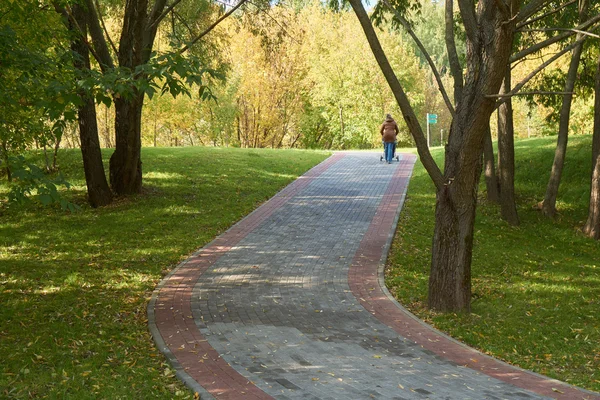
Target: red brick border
<point x="366" y="282"/>
<point x="170" y="314"/>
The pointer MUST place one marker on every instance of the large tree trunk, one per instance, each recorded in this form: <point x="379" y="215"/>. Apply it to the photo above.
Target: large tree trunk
<point x="592" y="225"/>
<point x="491" y="180"/>
<point x="506" y="156"/>
<point x="549" y="204"/>
<point x="135" y="47"/>
<point x="99" y="193"/>
<point x="126" y="161"/>
<point x="489" y="41"/>
<point x="450" y="274"/>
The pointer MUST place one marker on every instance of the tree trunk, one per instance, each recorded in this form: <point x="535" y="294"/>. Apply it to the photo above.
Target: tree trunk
<point x="592" y="225"/>
<point x="48" y="170"/>
<point x="99" y="193"/>
<point x="549" y="203"/>
<point x="135" y="48"/>
<point x="55" y="155"/>
<point x="450" y="273"/>
<point x="491" y="180"/>
<point x="5" y="159"/>
<point x="506" y="156"/>
<point x="126" y="162"/>
<point x="342" y="126"/>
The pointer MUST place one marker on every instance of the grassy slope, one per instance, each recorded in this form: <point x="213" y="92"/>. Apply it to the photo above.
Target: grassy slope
<point x="74" y="287"/>
<point x="536" y="287"/>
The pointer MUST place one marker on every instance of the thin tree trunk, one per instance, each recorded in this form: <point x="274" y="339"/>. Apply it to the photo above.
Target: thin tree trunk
<point x="155" y="129"/>
<point x="5" y="159"/>
<point x="48" y="170"/>
<point x="548" y="206"/>
<point x="342" y="127"/>
<point x="491" y="180"/>
<point x="55" y="155"/>
<point x="506" y="156"/>
<point x="107" y="129"/>
<point x="592" y="225"/>
<point x="99" y="193"/>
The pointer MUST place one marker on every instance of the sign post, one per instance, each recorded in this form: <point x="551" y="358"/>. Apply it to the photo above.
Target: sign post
<point x="431" y="119"/>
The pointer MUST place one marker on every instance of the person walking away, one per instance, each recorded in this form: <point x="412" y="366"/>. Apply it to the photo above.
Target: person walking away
<point x="389" y="130"/>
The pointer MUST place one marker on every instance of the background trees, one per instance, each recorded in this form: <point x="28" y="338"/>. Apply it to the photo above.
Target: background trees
<point x="36" y="98"/>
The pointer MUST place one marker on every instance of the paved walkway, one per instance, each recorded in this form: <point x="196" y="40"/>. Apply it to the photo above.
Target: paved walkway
<point x="289" y="304"/>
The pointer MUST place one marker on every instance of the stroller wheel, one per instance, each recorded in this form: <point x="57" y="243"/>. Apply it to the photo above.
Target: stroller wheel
<point x="397" y="158"/>
<point x="381" y="158"/>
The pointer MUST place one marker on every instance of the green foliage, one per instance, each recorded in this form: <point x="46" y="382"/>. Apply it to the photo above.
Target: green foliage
<point x="168" y="73"/>
<point x="35" y="83"/>
<point x="31" y="183"/>
<point x="535" y="296"/>
<point x="407" y="8"/>
<point x="553" y="78"/>
<point x="74" y="287"/>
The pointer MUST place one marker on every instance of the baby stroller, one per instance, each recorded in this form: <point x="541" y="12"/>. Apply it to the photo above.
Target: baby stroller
<point x="395" y="156"/>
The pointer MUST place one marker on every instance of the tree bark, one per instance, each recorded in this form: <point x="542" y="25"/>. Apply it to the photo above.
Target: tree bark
<point x="506" y="155"/>
<point x="99" y="193"/>
<point x="549" y="202"/>
<point x="592" y="225"/>
<point x="489" y="41"/>
<point x="491" y="180"/>
<point x="126" y="162"/>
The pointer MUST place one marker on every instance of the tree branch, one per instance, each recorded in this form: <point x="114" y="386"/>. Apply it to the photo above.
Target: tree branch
<point x="278" y="24"/>
<point x="524" y="53"/>
<point x="184" y="22"/>
<point x="68" y="15"/>
<point x="154" y="20"/>
<point x="112" y="44"/>
<point x="151" y="27"/>
<point x="511" y="94"/>
<point x="469" y="17"/>
<point x="533" y="73"/>
<point x="412" y="34"/>
<point x="407" y="111"/>
<point x="531" y="8"/>
<point x="554" y="11"/>
<point x="98" y="40"/>
<point x="210" y="28"/>
<point x="561" y="29"/>
<point x="455" y="67"/>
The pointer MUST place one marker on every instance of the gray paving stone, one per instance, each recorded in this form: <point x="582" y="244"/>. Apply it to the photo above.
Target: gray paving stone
<point x="279" y="309"/>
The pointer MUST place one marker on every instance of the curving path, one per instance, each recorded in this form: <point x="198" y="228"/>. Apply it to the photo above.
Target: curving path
<point x="289" y="304"/>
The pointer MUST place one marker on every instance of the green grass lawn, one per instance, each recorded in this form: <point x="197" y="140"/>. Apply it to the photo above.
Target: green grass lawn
<point x="536" y="287"/>
<point x="74" y="287"/>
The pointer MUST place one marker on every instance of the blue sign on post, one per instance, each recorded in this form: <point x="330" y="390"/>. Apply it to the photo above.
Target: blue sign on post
<point x="432" y="118"/>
